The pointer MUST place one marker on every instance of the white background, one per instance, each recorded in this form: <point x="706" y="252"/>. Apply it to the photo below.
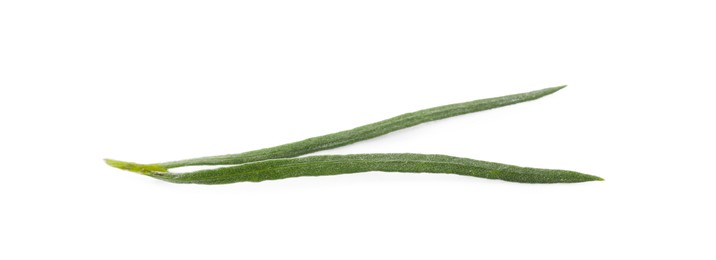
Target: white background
<point x="151" y="81"/>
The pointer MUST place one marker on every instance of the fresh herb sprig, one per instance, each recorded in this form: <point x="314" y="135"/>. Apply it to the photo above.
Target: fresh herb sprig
<point x="279" y="163"/>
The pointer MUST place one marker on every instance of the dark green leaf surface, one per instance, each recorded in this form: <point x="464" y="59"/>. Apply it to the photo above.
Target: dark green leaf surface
<point x="397" y="162"/>
<point x="363" y="132"/>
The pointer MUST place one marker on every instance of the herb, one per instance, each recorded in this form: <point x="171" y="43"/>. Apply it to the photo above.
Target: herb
<point x="278" y="162"/>
<point x="321" y="165"/>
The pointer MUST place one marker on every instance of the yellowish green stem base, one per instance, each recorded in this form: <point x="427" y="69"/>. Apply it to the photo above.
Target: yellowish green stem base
<point x="144" y="169"/>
